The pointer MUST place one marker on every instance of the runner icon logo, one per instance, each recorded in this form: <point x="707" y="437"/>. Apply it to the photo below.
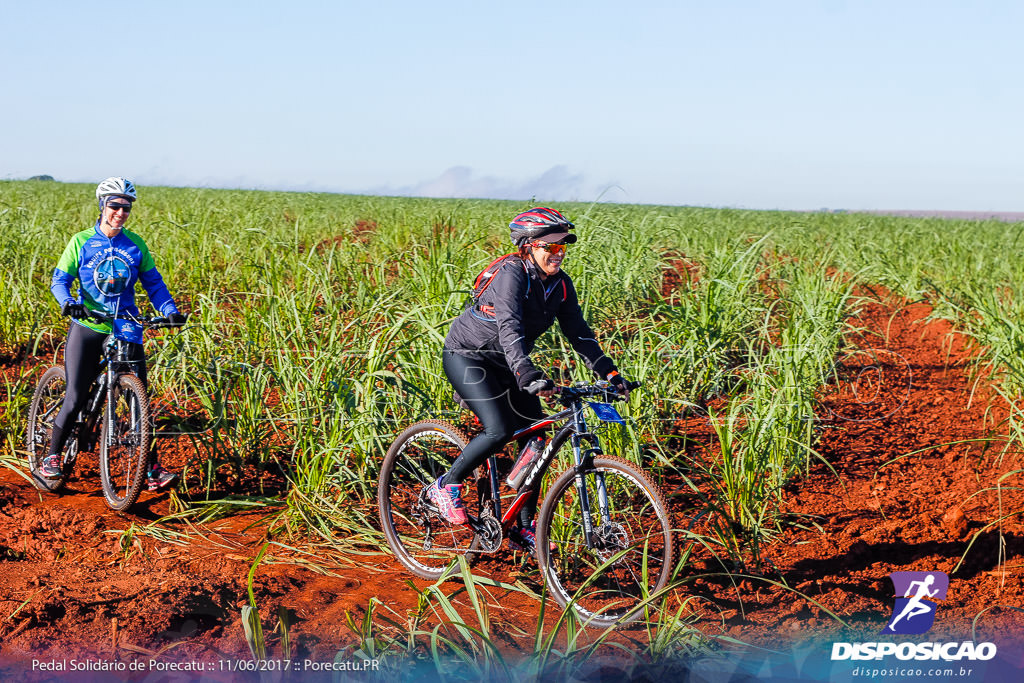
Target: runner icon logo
<point x="917" y="596"/>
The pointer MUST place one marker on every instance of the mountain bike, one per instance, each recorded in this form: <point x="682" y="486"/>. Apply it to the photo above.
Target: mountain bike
<point x="604" y="533"/>
<point x="117" y="406"/>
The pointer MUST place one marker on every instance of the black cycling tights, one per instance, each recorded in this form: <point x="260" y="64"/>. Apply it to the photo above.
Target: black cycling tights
<point x="83" y="358"/>
<point x="491" y="392"/>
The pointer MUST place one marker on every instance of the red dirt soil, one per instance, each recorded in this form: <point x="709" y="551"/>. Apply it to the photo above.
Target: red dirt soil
<point x="910" y="485"/>
<point x="916" y="479"/>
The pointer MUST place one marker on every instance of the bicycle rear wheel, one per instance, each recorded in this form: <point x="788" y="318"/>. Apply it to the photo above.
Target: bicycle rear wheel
<point x="47" y="400"/>
<point x="124" y="445"/>
<point x="630" y="558"/>
<point x="421" y="540"/>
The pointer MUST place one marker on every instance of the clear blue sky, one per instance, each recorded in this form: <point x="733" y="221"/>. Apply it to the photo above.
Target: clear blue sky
<point x="791" y="105"/>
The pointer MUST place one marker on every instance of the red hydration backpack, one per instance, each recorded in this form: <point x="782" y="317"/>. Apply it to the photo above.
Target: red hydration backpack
<point x="486" y="277"/>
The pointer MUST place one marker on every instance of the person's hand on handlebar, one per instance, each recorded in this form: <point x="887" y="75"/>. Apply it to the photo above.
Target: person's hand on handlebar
<point x="541" y="387"/>
<point x="533" y="381"/>
<point x="177" y="319"/>
<point x="619" y="383"/>
<point x="73" y="309"/>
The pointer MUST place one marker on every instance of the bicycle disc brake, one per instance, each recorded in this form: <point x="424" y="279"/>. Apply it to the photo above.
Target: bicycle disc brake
<point x="611" y="538"/>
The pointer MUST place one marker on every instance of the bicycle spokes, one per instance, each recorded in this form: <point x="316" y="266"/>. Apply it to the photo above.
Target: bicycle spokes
<point x="123" y="438"/>
<point x="609" y="573"/>
<point x="47" y="400"/>
<point x="421" y="538"/>
<point x="124" y="451"/>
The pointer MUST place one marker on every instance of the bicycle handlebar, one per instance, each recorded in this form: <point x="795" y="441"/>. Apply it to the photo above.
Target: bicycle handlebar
<point x="568" y="394"/>
<point x="154" y="322"/>
<point x="159" y="322"/>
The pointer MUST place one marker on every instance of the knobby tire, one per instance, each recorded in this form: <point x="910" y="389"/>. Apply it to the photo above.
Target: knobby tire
<point x="421" y="540"/>
<point x="637" y="540"/>
<point x="47" y="400"/>
<point x="124" y="443"/>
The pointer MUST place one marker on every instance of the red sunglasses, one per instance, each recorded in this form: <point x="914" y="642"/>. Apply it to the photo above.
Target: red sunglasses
<point x="550" y="247"/>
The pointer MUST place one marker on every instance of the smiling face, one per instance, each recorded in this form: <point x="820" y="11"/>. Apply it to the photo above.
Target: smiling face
<point x="116" y="210"/>
<point x="548" y="256"/>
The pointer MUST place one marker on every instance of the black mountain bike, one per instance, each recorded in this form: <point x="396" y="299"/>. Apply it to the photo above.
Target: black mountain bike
<point x="117" y="404"/>
<point x="604" y="534"/>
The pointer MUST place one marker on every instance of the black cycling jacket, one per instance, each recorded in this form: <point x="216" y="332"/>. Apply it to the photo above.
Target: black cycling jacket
<point x="515" y="309"/>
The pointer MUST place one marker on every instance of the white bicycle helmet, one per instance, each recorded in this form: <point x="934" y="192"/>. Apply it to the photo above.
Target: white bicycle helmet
<point x="116" y="185"/>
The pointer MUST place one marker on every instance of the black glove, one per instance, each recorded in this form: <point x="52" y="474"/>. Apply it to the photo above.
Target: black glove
<point x="526" y="375"/>
<point x="539" y="385"/>
<point x="177" y="319"/>
<point x="73" y="309"/>
<point x="619" y="383"/>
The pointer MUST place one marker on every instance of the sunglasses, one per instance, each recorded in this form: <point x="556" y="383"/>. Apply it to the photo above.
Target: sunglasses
<point x="549" y="247"/>
<point x="120" y="207"/>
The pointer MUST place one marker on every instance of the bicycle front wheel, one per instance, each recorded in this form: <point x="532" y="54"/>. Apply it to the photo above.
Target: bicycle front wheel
<point x="124" y="446"/>
<point x="47" y="400"/>
<point x="421" y="540"/>
<point x="608" y="580"/>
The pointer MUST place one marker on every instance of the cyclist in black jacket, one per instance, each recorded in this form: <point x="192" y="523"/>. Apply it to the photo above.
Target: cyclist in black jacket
<point x="486" y="353"/>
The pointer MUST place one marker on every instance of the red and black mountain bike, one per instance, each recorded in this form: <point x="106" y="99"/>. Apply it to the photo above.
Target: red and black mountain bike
<point x="604" y="535"/>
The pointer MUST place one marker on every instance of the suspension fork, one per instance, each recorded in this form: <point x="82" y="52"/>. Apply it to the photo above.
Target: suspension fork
<point x="114" y="355"/>
<point x="583" y="459"/>
<point x="108" y="409"/>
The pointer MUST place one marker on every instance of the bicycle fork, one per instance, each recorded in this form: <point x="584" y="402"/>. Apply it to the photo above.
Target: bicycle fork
<point x="108" y="412"/>
<point x="583" y="459"/>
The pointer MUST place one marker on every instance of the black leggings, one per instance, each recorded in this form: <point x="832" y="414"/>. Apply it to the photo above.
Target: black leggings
<point x="491" y="392"/>
<point x="83" y="358"/>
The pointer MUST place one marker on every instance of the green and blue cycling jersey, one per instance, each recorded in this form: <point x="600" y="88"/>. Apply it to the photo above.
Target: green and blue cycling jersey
<point x="107" y="269"/>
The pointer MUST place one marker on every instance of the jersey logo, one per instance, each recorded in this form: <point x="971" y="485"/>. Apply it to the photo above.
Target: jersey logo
<point x="111" y="275"/>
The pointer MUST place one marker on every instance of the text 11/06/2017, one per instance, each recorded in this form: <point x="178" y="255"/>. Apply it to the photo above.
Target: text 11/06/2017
<point x="298" y="665"/>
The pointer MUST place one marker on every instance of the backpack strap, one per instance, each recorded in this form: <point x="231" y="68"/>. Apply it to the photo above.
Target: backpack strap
<point x="487" y="275"/>
<point x="484" y="280"/>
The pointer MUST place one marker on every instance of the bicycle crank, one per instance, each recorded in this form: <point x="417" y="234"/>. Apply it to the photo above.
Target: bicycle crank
<point x="488" y="530"/>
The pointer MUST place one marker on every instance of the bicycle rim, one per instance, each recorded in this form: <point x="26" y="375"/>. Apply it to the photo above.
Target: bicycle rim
<point x="419" y="537"/>
<point x="124" y="446"/>
<point x="610" y="582"/>
<point x="47" y="400"/>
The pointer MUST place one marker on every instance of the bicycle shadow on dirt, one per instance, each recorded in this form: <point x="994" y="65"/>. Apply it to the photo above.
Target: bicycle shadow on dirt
<point x="141" y="509"/>
<point x="979" y="551"/>
<point x="745" y="593"/>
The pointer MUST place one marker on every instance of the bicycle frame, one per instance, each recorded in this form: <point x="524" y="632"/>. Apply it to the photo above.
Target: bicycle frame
<point x="575" y="430"/>
<point x="116" y="362"/>
<point x="116" y="352"/>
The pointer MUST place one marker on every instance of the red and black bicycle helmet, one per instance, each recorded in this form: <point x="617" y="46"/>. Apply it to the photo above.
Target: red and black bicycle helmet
<point x="541" y="222"/>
